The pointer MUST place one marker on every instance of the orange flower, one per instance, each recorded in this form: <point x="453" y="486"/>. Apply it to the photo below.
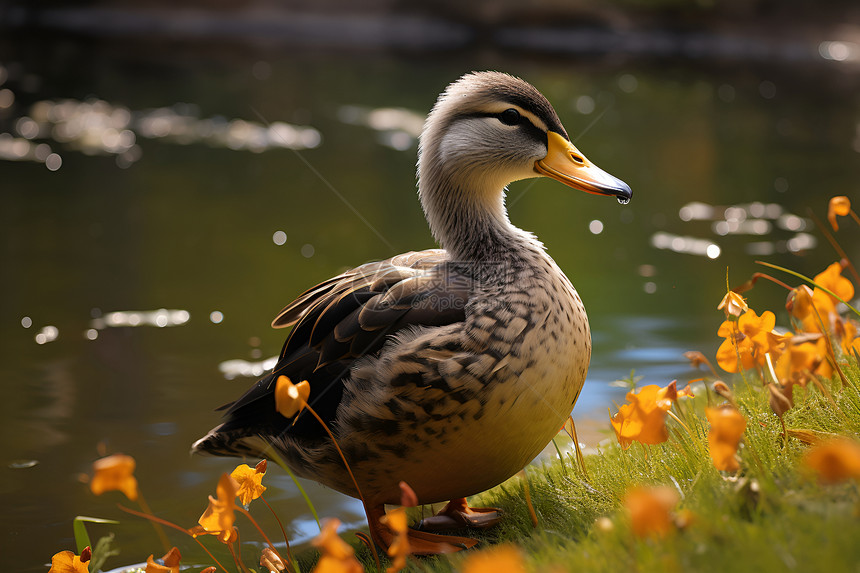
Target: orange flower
<point x="337" y="556"/>
<point x="644" y="418"/>
<point x="115" y="473"/>
<point x="290" y="399"/>
<point x="650" y="510"/>
<point x="831" y="278"/>
<point x="408" y="497"/>
<point x="834" y="460"/>
<point x="68" y="562"/>
<point x="754" y="338"/>
<point x="250" y="482"/>
<point x="399" y="549"/>
<point x="799" y="303"/>
<point x="839" y="206"/>
<point x="733" y="304"/>
<point x="798" y="361"/>
<point x="825" y="370"/>
<point x="846" y="332"/>
<point x="171" y="563"/>
<point x="499" y="559"/>
<point x="219" y="517"/>
<point x="727" y="427"/>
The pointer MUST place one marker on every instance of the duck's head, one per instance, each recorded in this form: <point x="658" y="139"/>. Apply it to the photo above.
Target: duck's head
<point x="488" y="129"/>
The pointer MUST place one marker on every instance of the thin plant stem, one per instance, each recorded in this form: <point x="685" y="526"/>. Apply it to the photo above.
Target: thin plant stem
<point x="162" y="537"/>
<point x="677" y="419"/>
<point x="579" y="457"/>
<point x="528" y="497"/>
<point x="339" y="451"/>
<point x="560" y="457"/>
<point x="832" y="356"/>
<point x="237" y="559"/>
<point x="247" y="514"/>
<point x="346" y="465"/>
<point x="272" y="454"/>
<point x="281" y="525"/>
<point x="774" y="280"/>
<point x="174" y="526"/>
<point x="371" y="545"/>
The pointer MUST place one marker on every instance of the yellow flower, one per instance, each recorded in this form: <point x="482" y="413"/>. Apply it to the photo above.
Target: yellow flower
<point x="290" y="399"/>
<point x="115" y="473"/>
<point x="250" y="482"/>
<point x="839" y="206"/>
<point x="171" y="563"/>
<point x="650" y="510"/>
<point x="399" y="549"/>
<point x="499" y="559"/>
<point x="831" y="278"/>
<point x="835" y="460"/>
<point x="727" y="428"/>
<point x="219" y="517"/>
<point x="733" y="304"/>
<point x="644" y="418"/>
<point x="754" y="337"/>
<point x="337" y="556"/>
<point x="68" y="562"/>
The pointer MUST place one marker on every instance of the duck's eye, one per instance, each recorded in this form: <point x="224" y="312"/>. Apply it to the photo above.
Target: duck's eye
<point x="510" y="117"/>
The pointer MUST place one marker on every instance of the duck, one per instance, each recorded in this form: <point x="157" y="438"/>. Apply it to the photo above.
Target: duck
<point x="446" y="369"/>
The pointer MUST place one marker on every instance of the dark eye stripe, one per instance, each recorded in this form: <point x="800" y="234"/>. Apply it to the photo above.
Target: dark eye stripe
<point x="524" y="124"/>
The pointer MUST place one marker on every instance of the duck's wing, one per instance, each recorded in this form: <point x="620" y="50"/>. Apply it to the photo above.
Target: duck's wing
<point x="338" y="322"/>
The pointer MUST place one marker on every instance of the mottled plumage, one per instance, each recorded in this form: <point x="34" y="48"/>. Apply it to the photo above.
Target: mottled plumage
<point x="447" y="369"/>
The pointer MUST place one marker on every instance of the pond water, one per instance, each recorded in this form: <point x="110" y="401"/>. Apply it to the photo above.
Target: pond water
<point x="161" y="204"/>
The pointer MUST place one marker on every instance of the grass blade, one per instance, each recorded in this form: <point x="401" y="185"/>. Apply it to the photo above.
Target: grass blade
<point x="82" y="538"/>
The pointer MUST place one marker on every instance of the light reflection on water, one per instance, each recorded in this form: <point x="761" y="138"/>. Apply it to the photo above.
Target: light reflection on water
<point x="191" y="225"/>
<point x="98" y="127"/>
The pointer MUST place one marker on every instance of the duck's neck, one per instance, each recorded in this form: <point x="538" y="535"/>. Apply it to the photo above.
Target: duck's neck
<point x="470" y="222"/>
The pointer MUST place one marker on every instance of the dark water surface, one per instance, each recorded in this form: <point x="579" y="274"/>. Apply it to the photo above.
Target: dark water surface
<point x="133" y="189"/>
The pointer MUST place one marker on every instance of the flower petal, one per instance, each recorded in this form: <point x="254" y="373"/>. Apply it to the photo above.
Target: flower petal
<point x="115" y="473"/>
<point x="727" y="428"/>
<point x="291" y="398"/>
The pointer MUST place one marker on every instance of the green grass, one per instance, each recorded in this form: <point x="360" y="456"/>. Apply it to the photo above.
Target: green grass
<point x="772" y="516"/>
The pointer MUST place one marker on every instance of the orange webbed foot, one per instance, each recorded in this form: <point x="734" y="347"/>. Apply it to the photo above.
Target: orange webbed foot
<point x="457" y="513"/>
<point x="420" y="542"/>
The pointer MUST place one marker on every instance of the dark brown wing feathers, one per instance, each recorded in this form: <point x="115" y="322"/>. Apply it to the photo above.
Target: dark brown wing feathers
<point x="343" y="319"/>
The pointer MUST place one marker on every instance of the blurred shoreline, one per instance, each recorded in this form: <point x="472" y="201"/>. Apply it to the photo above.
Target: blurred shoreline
<point x="788" y="32"/>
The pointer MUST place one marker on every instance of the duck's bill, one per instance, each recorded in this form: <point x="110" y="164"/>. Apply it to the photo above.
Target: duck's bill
<point x="565" y="163"/>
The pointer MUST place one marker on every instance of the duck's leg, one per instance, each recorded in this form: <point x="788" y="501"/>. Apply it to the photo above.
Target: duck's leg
<point x="457" y="513"/>
<point x="420" y="542"/>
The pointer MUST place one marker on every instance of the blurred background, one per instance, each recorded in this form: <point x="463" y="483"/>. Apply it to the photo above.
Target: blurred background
<point x="173" y="173"/>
